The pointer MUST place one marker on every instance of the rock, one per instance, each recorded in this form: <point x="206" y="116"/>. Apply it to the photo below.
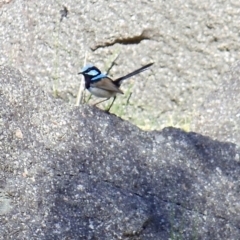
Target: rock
<point x="79" y="173"/>
<point x="219" y="115"/>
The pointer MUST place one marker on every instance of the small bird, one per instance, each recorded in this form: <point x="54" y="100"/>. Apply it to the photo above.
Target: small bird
<point x="102" y="86"/>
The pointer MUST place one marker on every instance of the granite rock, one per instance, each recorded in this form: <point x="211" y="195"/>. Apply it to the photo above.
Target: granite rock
<point x="78" y="173"/>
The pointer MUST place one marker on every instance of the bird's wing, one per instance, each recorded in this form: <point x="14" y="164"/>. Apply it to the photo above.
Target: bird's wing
<point x="106" y="84"/>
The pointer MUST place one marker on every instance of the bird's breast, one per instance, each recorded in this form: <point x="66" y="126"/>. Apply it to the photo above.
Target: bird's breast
<point x="102" y="93"/>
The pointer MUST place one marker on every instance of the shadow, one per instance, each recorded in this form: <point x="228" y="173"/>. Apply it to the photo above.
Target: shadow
<point x="109" y="180"/>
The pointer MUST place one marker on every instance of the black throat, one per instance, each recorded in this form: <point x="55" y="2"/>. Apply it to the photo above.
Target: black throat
<point x="87" y="79"/>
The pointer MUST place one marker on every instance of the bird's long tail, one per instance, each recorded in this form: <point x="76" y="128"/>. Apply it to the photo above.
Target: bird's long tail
<point x="118" y="81"/>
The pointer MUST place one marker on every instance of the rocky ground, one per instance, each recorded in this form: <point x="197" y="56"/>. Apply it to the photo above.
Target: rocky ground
<point x="75" y="172"/>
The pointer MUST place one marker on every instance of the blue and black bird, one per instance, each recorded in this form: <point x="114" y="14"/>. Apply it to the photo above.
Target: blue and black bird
<point x="100" y="85"/>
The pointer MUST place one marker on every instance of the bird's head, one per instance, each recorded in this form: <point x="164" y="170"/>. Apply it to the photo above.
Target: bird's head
<point x="90" y="71"/>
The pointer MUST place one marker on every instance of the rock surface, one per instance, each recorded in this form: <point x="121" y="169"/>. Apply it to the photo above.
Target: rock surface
<point x="219" y="115"/>
<point x="79" y="173"/>
<point x="193" y="43"/>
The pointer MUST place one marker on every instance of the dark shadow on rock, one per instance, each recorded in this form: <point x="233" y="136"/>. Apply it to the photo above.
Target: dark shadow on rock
<point x="151" y="185"/>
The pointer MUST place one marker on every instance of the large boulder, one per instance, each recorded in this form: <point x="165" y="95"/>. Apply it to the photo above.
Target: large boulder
<point x="79" y="173"/>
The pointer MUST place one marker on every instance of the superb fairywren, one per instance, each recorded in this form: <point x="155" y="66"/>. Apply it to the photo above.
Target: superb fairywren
<point x="102" y="86"/>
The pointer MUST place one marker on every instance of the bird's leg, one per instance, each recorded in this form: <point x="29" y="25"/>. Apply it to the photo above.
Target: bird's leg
<point x="114" y="98"/>
<point x="100" y="102"/>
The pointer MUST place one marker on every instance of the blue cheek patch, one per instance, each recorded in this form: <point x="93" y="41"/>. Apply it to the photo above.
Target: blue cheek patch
<point x="93" y="73"/>
<point x="100" y="76"/>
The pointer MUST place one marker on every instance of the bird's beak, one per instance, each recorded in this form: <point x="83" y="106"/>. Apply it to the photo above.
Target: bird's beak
<point x="80" y="73"/>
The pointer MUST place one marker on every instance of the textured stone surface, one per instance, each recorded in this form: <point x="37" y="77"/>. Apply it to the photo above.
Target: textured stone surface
<point x="219" y="115"/>
<point x="79" y="173"/>
<point x="191" y="42"/>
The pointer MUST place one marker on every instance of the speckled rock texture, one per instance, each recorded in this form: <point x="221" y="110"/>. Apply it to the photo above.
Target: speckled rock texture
<point x="193" y="43"/>
<point x="219" y="115"/>
<point x="79" y="173"/>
